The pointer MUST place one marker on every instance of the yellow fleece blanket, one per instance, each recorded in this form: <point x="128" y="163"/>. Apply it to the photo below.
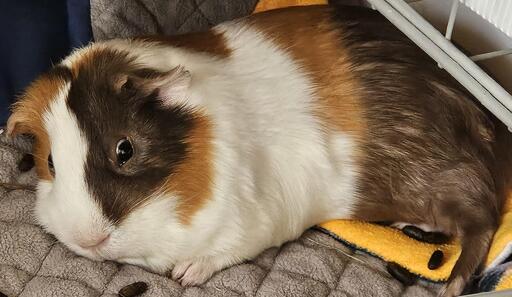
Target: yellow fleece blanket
<point x="392" y="245"/>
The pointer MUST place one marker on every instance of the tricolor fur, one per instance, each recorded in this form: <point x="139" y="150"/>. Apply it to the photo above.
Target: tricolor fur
<point x="248" y="134"/>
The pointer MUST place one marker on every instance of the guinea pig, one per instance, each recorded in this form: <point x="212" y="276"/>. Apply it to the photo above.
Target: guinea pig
<point x="191" y="153"/>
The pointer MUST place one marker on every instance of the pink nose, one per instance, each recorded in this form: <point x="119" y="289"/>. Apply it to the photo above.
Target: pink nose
<point x="93" y="241"/>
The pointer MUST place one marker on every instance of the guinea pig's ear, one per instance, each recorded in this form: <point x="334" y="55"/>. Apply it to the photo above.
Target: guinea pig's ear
<point x="171" y="86"/>
<point x="17" y="124"/>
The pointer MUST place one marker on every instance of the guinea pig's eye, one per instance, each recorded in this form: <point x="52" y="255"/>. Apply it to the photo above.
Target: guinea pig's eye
<point x="127" y="85"/>
<point x="124" y="151"/>
<point x="50" y="164"/>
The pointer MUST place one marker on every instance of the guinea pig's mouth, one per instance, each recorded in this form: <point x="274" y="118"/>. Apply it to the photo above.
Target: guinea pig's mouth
<point x="88" y="253"/>
<point x="103" y="254"/>
<point x="97" y="252"/>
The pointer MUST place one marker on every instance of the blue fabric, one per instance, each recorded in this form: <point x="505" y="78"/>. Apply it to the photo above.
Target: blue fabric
<point x="36" y="34"/>
<point x="79" y="22"/>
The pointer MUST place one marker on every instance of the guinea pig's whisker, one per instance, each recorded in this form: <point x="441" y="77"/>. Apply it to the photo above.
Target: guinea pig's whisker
<point x="11" y="186"/>
<point x="132" y="207"/>
<point x="138" y="204"/>
<point x="339" y="250"/>
<point x="145" y="200"/>
<point x="114" y="203"/>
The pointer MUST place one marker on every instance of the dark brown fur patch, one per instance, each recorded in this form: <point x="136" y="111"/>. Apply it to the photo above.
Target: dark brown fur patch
<point x="425" y="133"/>
<point x="28" y="111"/>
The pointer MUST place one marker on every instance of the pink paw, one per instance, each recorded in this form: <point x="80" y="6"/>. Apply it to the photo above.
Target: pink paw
<point x="193" y="273"/>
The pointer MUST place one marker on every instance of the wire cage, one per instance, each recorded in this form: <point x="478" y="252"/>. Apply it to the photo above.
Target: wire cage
<point x="462" y="67"/>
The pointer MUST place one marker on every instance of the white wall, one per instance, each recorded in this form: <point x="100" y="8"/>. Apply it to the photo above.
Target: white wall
<point x="473" y="34"/>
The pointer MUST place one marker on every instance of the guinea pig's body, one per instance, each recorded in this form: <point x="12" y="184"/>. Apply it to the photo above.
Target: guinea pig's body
<point x="197" y="152"/>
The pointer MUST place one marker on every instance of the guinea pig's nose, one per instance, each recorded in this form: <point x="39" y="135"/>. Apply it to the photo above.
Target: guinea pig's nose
<point x="93" y="241"/>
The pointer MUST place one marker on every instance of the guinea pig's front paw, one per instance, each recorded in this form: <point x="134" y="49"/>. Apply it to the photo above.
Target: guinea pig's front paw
<point x="197" y="271"/>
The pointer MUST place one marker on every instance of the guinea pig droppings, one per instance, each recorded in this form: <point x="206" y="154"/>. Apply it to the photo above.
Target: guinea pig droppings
<point x="133" y="290"/>
<point x="401" y="274"/>
<point x="435" y="260"/>
<point x="429" y="237"/>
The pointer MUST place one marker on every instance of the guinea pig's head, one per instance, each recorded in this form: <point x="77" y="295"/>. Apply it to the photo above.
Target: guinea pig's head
<point x="123" y="162"/>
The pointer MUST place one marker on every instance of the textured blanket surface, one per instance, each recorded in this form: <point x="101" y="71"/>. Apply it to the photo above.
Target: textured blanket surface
<point x="120" y="18"/>
<point x="33" y="263"/>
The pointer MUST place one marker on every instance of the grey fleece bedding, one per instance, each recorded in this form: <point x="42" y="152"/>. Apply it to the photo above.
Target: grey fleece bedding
<point x="120" y="18"/>
<point x="33" y="263"/>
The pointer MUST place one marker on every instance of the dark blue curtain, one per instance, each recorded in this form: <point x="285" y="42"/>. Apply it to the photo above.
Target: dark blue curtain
<point x="34" y="34"/>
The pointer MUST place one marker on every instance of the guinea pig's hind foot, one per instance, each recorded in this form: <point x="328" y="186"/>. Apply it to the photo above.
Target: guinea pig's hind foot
<point x="196" y="271"/>
<point x="453" y="289"/>
<point x="475" y="244"/>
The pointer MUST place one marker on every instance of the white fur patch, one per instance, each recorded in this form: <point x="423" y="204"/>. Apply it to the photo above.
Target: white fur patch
<point x="64" y="207"/>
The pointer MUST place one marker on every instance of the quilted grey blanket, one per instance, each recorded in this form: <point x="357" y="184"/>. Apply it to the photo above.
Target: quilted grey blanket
<point x="33" y="263"/>
<point x="120" y="18"/>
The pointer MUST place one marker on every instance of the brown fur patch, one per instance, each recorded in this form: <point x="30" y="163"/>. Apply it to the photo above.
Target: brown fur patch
<point x="208" y="42"/>
<point x="27" y="117"/>
<point x="502" y="172"/>
<point x="193" y="177"/>
<point x="84" y="58"/>
<point x="264" y="5"/>
<point x="315" y="44"/>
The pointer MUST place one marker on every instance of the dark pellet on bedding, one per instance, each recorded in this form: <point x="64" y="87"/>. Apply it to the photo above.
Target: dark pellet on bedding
<point x="435" y="260"/>
<point x="428" y="237"/>
<point x="133" y="290"/>
<point x="2" y="295"/>
<point x="401" y="274"/>
<point x="26" y="163"/>
<point x="414" y="232"/>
